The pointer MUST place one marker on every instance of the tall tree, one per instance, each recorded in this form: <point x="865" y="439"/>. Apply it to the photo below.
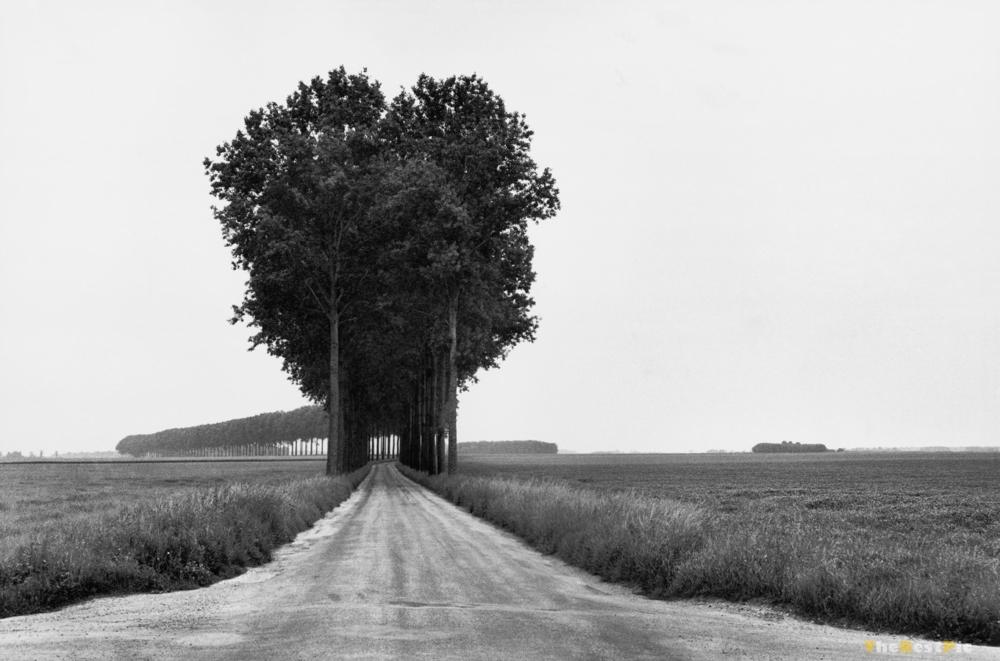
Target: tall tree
<point x="296" y="188"/>
<point x="487" y="189"/>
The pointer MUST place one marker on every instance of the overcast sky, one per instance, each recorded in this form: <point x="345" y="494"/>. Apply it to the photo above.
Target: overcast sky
<point x="781" y="220"/>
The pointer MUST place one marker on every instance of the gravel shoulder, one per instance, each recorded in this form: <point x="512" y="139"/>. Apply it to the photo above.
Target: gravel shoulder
<point x="396" y="572"/>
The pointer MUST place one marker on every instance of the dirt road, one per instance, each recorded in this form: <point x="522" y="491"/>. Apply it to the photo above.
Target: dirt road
<point x="398" y="573"/>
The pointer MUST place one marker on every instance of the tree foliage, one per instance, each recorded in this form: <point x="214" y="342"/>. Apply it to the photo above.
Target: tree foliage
<point x="788" y="446"/>
<point x="507" y="447"/>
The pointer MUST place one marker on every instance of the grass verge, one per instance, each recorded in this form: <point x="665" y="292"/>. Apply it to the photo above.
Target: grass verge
<point x="170" y="544"/>
<point x="668" y="549"/>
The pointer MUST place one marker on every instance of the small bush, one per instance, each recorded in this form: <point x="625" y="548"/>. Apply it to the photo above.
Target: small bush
<point x="174" y="544"/>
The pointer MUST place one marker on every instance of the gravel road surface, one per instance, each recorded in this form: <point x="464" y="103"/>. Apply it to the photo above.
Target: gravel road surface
<point x="398" y="573"/>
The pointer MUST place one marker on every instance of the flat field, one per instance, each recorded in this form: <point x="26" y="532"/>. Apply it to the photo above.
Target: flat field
<point x="909" y="542"/>
<point x="945" y="497"/>
<point x="908" y="492"/>
<point x="35" y="498"/>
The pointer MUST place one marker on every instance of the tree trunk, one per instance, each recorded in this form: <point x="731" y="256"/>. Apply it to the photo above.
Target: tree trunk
<point x="452" y="408"/>
<point x="344" y="438"/>
<point x="418" y="428"/>
<point x="427" y="436"/>
<point x="412" y="435"/>
<point x="441" y="413"/>
<point x="435" y="416"/>
<point x="335" y="446"/>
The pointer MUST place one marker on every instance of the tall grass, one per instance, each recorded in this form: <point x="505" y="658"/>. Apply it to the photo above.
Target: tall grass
<point x="171" y="544"/>
<point x="36" y="499"/>
<point x="667" y="548"/>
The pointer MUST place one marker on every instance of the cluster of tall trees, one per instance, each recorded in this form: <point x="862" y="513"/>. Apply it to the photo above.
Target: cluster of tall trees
<point x="507" y="447"/>
<point x="386" y="250"/>
<point x="788" y="446"/>
<point x="297" y="432"/>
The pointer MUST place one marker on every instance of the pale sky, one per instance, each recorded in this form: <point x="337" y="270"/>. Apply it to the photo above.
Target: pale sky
<point x="780" y="220"/>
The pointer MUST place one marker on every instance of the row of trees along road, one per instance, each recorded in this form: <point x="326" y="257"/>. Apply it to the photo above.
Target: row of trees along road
<point x="298" y="432"/>
<point x="386" y="250"/>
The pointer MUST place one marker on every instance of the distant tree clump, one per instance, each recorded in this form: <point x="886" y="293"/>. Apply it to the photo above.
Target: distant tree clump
<point x="507" y="447"/>
<point x="788" y="446"/>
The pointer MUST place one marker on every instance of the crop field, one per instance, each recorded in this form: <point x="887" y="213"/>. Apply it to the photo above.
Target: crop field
<point x="944" y="500"/>
<point x="35" y="498"/>
<point x="926" y="499"/>
<point x="72" y="531"/>
<point x="905" y="542"/>
<point x="906" y="493"/>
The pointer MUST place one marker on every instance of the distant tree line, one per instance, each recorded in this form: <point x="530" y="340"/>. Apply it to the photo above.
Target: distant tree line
<point x="386" y="252"/>
<point x="301" y="432"/>
<point x="16" y="455"/>
<point x="788" y="446"/>
<point x="298" y="432"/>
<point x="507" y="447"/>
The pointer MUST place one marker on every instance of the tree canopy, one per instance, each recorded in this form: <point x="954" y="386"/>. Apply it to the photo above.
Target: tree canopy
<point x="386" y="249"/>
<point x="507" y="447"/>
<point x="788" y="446"/>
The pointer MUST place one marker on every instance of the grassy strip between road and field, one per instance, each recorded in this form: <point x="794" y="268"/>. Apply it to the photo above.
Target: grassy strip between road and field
<point x="174" y="543"/>
<point x="670" y="549"/>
